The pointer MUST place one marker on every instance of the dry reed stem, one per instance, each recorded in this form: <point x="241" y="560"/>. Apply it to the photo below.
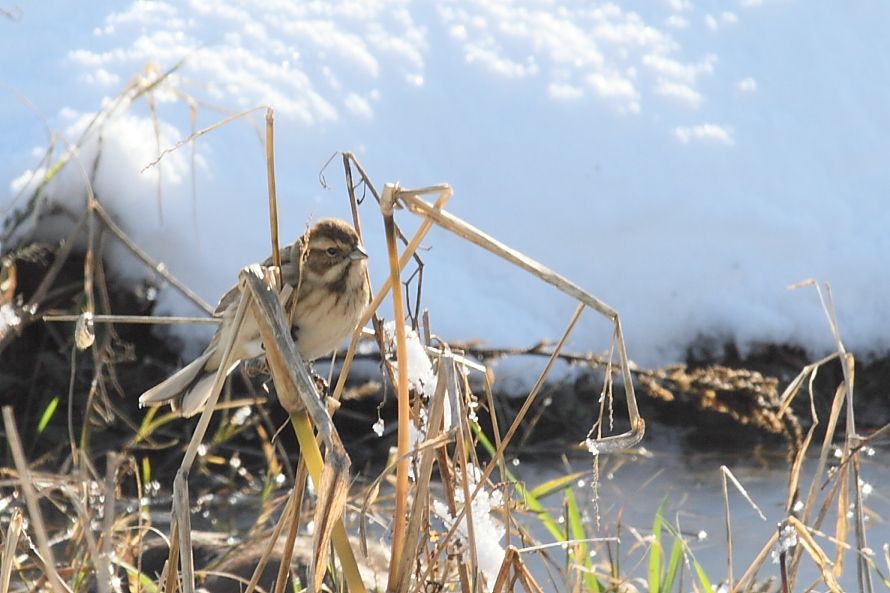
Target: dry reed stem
<point x="420" y="507"/>
<point x="727" y="476"/>
<point x="194" y="136"/>
<point x="513" y="561"/>
<point x="103" y="560"/>
<point x="59" y="261"/>
<point x="30" y="495"/>
<point x="459" y="514"/>
<point x="371" y="309"/>
<point x="727" y="518"/>
<point x="851" y="442"/>
<point x="290" y="517"/>
<point x="350" y="189"/>
<point x="459" y="412"/>
<point x="13" y="532"/>
<point x="180" y="483"/>
<point x="459" y="227"/>
<point x="293" y="501"/>
<point x="401" y="494"/>
<point x="273" y="195"/>
<point x="169" y="574"/>
<point x="158" y="267"/>
<point x="815" y="552"/>
<point x="135" y="319"/>
<point x="297" y="392"/>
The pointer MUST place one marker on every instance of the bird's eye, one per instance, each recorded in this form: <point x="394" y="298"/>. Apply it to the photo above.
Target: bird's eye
<point x="332" y="251"/>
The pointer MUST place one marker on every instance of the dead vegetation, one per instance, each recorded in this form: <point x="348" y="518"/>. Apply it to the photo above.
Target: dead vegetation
<point x="92" y="520"/>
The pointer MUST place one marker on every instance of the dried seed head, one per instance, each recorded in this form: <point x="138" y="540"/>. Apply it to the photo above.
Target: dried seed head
<point x="85" y="331"/>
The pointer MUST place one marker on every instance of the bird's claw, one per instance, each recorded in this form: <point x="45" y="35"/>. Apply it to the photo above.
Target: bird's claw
<point x="321" y="384"/>
<point x="256" y="367"/>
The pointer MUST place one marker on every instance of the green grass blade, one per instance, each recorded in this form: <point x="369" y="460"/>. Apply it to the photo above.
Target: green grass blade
<point x="674" y="563"/>
<point x="47" y="414"/>
<point x="582" y="557"/>
<point x="555" y="485"/>
<point x="655" y="549"/>
<point x="530" y="500"/>
<point x="702" y="577"/>
<point x="147" y="585"/>
<point x="146" y="470"/>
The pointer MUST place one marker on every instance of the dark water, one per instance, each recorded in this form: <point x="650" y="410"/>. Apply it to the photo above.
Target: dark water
<point x="631" y="487"/>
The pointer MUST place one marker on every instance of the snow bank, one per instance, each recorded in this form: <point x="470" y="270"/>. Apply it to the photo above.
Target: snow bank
<point x="683" y="163"/>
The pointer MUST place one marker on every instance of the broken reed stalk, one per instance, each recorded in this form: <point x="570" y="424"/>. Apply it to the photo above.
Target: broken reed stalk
<point x="728" y="525"/>
<point x="27" y="485"/>
<point x="295" y="504"/>
<point x="457" y="226"/>
<point x="444" y="194"/>
<point x="727" y="476"/>
<point x="181" y="506"/>
<point x="297" y="393"/>
<point x="13" y="532"/>
<point x="273" y="195"/>
<point x="291" y="507"/>
<point x="851" y="443"/>
<point x="434" y="213"/>
<point x="459" y="514"/>
<point x="401" y="494"/>
<point x="420" y="506"/>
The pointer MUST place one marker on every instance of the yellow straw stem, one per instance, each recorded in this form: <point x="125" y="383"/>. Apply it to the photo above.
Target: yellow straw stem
<point x="315" y="464"/>
<point x="401" y="494"/>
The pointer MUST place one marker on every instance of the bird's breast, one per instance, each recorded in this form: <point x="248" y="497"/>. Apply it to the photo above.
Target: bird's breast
<point x="325" y="318"/>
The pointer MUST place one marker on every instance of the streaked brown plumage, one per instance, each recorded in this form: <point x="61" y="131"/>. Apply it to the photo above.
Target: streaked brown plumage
<point x="328" y="294"/>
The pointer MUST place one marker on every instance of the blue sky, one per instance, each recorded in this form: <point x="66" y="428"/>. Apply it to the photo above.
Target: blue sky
<point x="684" y="161"/>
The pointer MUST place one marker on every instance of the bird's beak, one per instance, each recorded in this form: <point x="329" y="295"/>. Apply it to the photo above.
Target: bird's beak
<point x="358" y="253"/>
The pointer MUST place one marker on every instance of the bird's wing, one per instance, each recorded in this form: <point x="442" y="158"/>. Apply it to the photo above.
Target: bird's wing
<point x="290" y="274"/>
<point x="174" y="386"/>
<point x="226" y="301"/>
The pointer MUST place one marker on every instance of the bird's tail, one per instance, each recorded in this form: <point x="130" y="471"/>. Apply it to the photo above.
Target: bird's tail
<point x="186" y="390"/>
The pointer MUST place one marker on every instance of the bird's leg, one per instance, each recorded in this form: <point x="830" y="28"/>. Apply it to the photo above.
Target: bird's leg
<point x="255" y="367"/>
<point x="321" y="384"/>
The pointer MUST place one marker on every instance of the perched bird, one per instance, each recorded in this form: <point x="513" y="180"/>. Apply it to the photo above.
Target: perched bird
<point x="325" y="291"/>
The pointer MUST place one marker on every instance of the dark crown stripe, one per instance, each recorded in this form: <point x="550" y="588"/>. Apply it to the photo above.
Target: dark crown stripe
<point x="335" y="230"/>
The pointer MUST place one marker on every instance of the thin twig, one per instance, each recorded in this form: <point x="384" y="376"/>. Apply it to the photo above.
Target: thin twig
<point x="200" y="133"/>
<point x="136" y="319"/>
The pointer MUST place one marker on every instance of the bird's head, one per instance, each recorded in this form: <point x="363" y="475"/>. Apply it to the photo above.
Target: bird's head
<point x="336" y="255"/>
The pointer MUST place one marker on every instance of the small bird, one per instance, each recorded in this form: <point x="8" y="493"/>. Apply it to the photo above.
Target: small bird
<point x="326" y="270"/>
